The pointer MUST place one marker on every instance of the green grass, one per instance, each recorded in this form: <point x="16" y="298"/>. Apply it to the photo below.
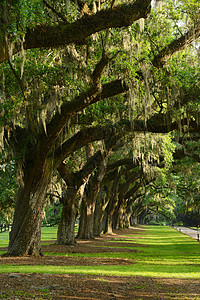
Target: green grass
<point x="168" y="253"/>
<point x="48" y="233"/>
<point x="4" y="238"/>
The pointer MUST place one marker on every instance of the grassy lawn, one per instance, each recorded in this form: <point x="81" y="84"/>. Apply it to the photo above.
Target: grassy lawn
<point x="165" y="252"/>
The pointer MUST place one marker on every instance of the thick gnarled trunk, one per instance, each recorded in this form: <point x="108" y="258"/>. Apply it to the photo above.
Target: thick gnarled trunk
<point x="26" y="229"/>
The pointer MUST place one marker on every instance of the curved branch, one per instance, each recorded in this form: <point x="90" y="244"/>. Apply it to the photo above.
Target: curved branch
<point x="57" y="13"/>
<point x="92" y="95"/>
<point x="80" y="139"/>
<point x="155" y="124"/>
<point x="64" y="34"/>
<point x="177" y="45"/>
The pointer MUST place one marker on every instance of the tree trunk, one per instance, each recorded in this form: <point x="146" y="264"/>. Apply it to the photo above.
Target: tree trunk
<point x="108" y="223"/>
<point x="86" y="221"/>
<point x="100" y="210"/>
<point x="98" y="214"/>
<point x="66" y="228"/>
<point x="26" y="229"/>
<point x="116" y="216"/>
<point x="86" y="228"/>
<point x="127" y="220"/>
<point x="87" y="207"/>
<point x="112" y="205"/>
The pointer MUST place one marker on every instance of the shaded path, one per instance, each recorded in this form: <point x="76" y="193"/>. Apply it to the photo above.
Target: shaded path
<point x="195" y="234"/>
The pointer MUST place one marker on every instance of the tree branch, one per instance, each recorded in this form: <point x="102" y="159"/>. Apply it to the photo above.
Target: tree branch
<point x="58" y="14"/>
<point x="68" y="109"/>
<point x="156" y="124"/>
<point x="177" y="45"/>
<point x="64" y="34"/>
<point x="80" y="139"/>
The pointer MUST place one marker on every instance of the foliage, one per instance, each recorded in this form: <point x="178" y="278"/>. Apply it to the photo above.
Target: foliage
<point x="8" y="190"/>
<point x="186" y="181"/>
<point x="38" y="82"/>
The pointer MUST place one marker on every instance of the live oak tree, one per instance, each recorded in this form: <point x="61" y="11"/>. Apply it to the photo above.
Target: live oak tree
<point x="42" y="93"/>
<point x="174" y="197"/>
<point x="91" y="191"/>
<point x="34" y="138"/>
<point x="151" y="159"/>
<point x="75" y="182"/>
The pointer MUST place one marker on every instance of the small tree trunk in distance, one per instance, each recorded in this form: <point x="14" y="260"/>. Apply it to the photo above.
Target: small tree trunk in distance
<point x="98" y="214"/>
<point x="127" y="220"/>
<point x="129" y="212"/>
<point x="116" y="215"/>
<point x="86" y="228"/>
<point x="120" y="214"/>
<point x="108" y="222"/>
<point x="112" y="205"/>
<point x="121" y="218"/>
<point x="100" y="211"/>
<point x="66" y="228"/>
<point x="86" y="221"/>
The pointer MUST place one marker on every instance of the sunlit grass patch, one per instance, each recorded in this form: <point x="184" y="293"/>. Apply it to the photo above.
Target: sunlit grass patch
<point x="4" y="239"/>
<point x="110" y="270"/>
<point x="169" y="254"/>
<point x="49" y="233"/>
<point x="124" y="255"/>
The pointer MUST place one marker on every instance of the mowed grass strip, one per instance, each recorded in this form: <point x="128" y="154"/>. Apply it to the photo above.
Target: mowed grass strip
<point x="168" y="253"/>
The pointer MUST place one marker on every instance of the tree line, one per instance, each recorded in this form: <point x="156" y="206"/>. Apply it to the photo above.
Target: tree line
<point x="94" y="95"/>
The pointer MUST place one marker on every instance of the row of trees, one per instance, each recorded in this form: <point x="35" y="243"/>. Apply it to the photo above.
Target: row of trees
<point x="92" y="94"/>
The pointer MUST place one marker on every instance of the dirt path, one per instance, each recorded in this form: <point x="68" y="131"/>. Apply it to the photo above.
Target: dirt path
<point x="188" y="231"/>
<point x="20" y="286"/>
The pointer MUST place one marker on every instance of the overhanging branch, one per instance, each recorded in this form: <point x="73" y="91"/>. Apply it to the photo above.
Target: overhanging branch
<point x="64" y="34"/>
<point x="177" y="45"/>
<point x="156" y="124"/>
<point x="92" y="95"/>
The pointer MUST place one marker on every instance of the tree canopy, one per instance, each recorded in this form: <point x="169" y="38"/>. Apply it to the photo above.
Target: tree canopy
<point x="87" y="87"/>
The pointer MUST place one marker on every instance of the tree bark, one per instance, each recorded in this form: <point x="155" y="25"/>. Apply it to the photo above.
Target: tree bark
<point x="64" y="34"/>
<point x="97" y="217"/>
<point x="112" y="205"/>
<point x="76" y="183"/>
<point x="66" y="228"/>
<point x="177" y="45"/>
<point x="25" y="233"/>
<point x="86" y="220"/>
<point x="86" y="228"/>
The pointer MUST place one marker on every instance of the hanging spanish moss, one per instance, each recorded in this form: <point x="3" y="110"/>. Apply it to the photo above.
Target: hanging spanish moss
<point x="22" y="55"/>
<point x="1" y="139"/>
<point x="158" y="4"/>
<point x="148" y="148"/>
<point x="141" y="24"/>
<point x="67" y="5"/>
